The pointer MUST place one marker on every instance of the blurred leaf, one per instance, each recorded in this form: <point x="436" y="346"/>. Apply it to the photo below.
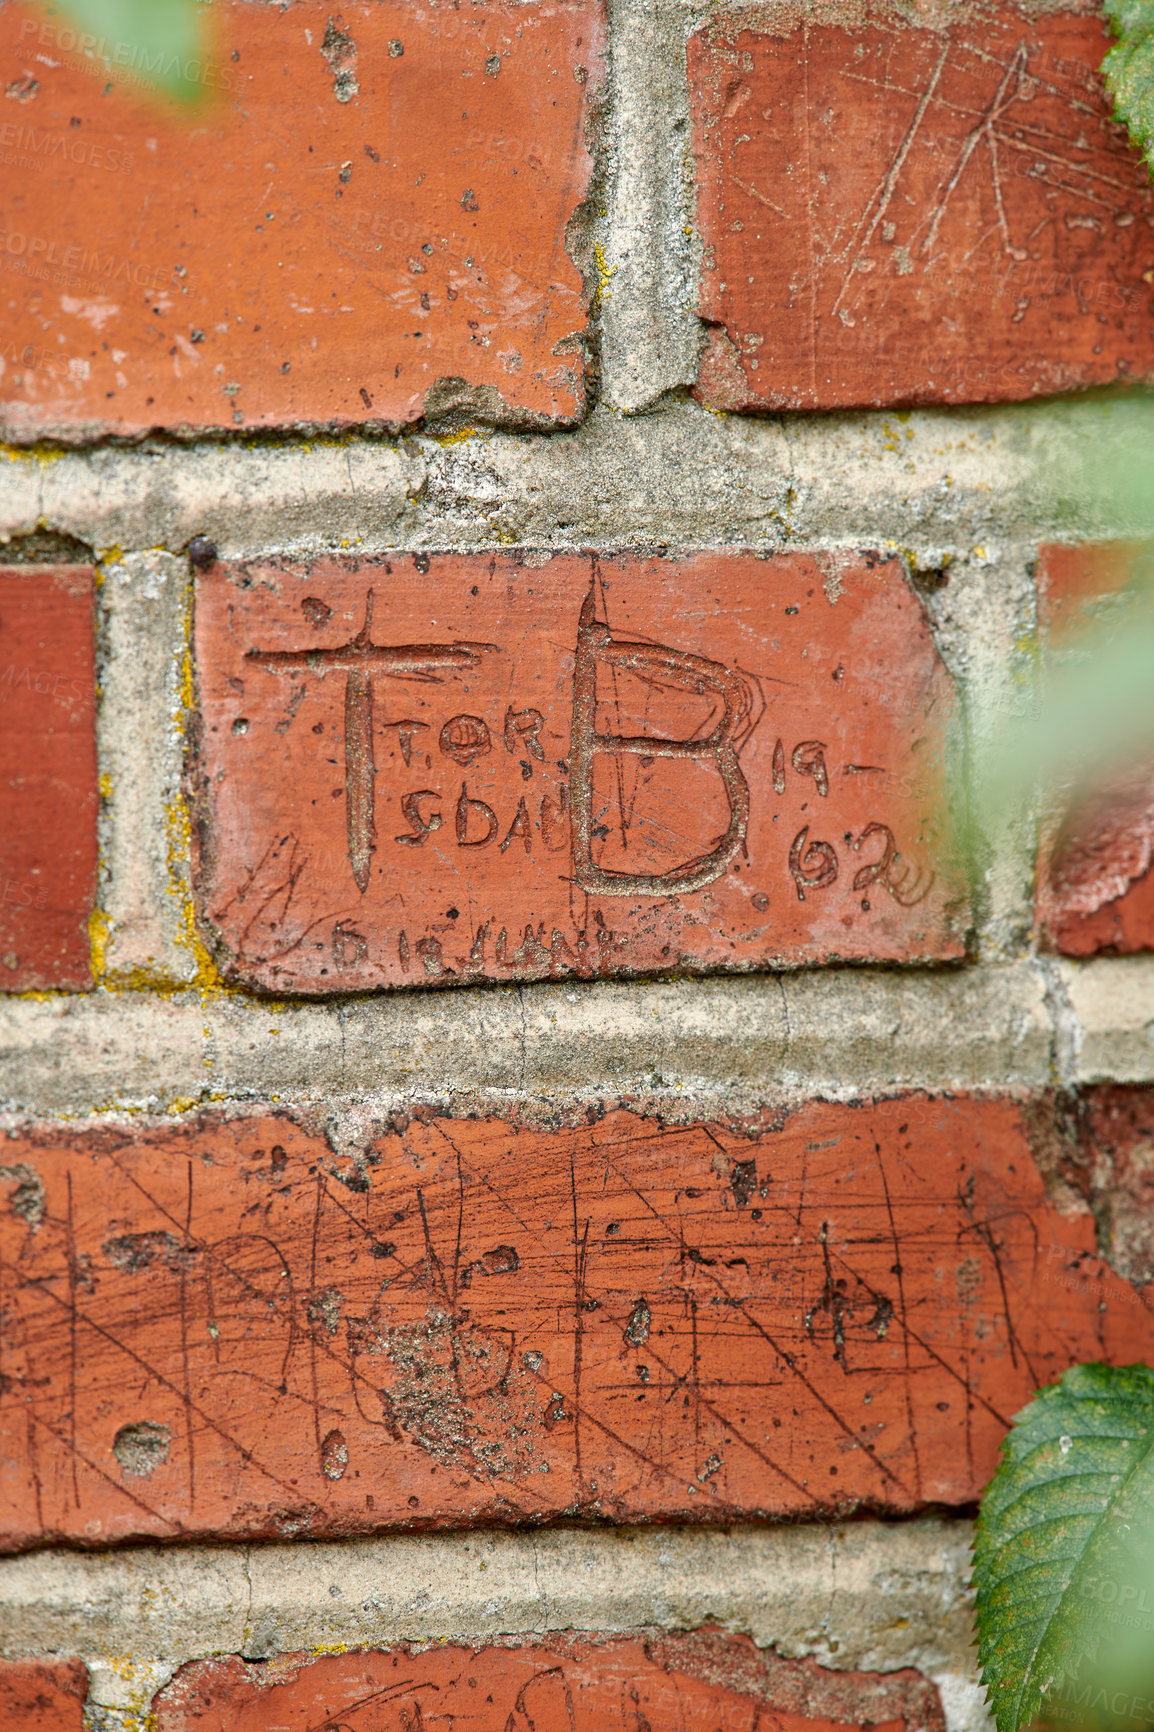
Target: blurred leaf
<point x="1129" y="69"/>
<point x="1101" y="467"/>
<point x="162" y="43"/>
<point x="1090" y="714"/>
<point x="1064" y="1532"/>
<point x="1092" y="720"/>
<point x="1130" y="17"/>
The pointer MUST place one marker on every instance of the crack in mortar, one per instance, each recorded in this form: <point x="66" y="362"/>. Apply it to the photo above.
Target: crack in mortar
<point x="1067" y="1031"/>
<point x="524" y="1039"/>
<point x="246" y="1566"/>
<point x="546" y="1622"/>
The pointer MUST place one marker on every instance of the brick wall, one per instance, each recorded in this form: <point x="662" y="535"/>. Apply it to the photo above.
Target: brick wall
<point x="535" y="1176"/>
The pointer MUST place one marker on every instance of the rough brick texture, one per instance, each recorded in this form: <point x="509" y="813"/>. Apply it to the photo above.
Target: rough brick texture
<point x="563" y="1684"/>
<point x="1116" y="1170"/>
<point x="544" y="1135"/>
<point x="48" y="789"/>
<point x="366" y="221"/>
<point x="1095" y="884"/>
<point x="895" y="214"/>
<point x="223" y="1328"/>
<point x="450" y="768"/>
<point x="42" y="1696"/>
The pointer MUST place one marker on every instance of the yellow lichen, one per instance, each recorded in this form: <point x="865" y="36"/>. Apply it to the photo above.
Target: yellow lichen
<point x="605" y="274"/>
<point x="178" y="832"/>
<point x="41" y="454"/>
<point x="99" y="930"/>
<point x="502" y="533"/>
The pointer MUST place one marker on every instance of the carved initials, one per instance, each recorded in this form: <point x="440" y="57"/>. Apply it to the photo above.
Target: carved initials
<point x="466" y="738"/>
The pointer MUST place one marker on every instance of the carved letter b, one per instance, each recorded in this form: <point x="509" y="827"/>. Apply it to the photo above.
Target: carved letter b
<point x="595" y="646"/>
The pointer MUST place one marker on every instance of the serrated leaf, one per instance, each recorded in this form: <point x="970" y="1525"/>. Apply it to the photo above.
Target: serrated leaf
<point x="1129" y="69"/>
<point x="1129" y="73"/>
<point x="1066" y="1532"/>
<point x="1130" y="17"/>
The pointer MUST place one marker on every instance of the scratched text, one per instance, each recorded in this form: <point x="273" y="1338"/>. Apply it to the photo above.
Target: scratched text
<point x="435" y="769"/>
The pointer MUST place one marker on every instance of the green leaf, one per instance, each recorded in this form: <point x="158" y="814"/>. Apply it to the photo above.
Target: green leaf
<point x="1130" y="17"/>
<point x="1064" y="1536"/>
<point x="157" y="43"/>
<point x="1129" y="69"/>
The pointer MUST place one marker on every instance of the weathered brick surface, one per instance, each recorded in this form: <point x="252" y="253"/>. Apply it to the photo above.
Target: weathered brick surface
<point x="911" y="215"/>
<point x="48" y="790"/>
<point x="560" y="1684"/>
<point x="42" y="1695"/>
<point x="221" y="1328"/>
<point x="1095" y="884"/>
<point x="365" y="220"/>
<point x="1116" y="1162"/>
<point x="435" y="769"/>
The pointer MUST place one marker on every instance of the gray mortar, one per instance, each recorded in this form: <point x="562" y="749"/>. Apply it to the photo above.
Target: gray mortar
<point x="650" y="336"/>
<point x="144" y="883"/>
<point x="159" y="495"/>
<point x="1109" y="1011"/>
<point x="983" y="608"/>
<point x="931" y="481"/>
<point x="719" y="1046"/>
<point x="868" y="1595"/>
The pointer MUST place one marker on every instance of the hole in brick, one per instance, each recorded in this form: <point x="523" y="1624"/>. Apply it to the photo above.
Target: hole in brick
<point x="141" y="1448"/>
<point x="334" y="1455"/>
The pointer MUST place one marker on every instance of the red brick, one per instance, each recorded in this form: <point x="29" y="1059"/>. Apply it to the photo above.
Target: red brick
<point x="1095" y="884"/>
<point x="1117" y="1166"/>
<point x="221" y="1328"/>
<point x="42" y="1696"/>
<point x="895" y="214"/>
<point x="805" y="828"/>
<point x="558" y="1684"/>
<point x="364" y="222"/>
<point x="48" y="792"/>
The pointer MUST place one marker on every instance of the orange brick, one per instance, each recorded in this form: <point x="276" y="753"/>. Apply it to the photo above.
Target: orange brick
<point x="364" y="222"/>
<point x="559" y="1684"/>
<point x="42" y="1695"/>
<point x="48" y="793"/>
<point x="894" y="214"/>
<point x="437" y="769"/>
<point x="1095" y="885"/>
<point x="221" y="1328"/>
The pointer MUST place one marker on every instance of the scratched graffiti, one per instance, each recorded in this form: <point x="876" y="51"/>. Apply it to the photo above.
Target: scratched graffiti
<point x="588" y="1683"/>
<point x="913" y="215"/>
<point x="429" y="770"/>
<point x="224" y="1328"/>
